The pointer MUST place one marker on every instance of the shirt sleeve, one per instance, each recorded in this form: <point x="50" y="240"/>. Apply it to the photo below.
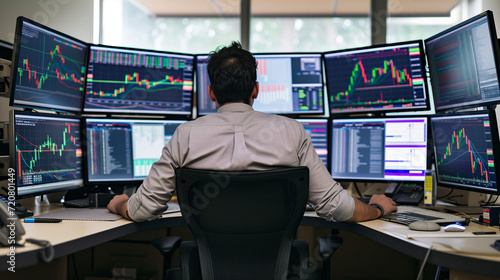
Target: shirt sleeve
<point x="158" y="187"/>
<point x="330" y="200"/>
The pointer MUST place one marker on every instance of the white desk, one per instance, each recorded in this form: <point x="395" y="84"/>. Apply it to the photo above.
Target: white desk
<point x="69" y="237"/>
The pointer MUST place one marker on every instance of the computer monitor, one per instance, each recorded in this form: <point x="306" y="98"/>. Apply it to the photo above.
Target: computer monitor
<point x="464" y="63"/>
<point x="377" y="79"/>
<point x="45" y="153"/>
<point x="135" y="81"/>
<point x="318" y="131"/>
<point x="204" y="105"/>
<point x="467" y="151"/>
<point x="122" y="151"/>
<point x="48" y="68"/>
<point x="379" y="149"/>
<point x="289" y="84"/>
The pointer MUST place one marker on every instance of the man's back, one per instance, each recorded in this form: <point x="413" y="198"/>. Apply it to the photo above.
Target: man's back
<point x="238" y="138"/>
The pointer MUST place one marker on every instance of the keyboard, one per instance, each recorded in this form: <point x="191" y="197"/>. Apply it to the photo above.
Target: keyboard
<point x="77" y="203"/>
<point x="409" y="214"/>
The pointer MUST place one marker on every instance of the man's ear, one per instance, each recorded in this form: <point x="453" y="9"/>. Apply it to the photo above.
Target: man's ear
<point x="211" y="93"/>
<point x="255" y="91"/>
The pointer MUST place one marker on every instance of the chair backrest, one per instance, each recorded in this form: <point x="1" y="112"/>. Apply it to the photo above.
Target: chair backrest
<point x="244" y="222"/>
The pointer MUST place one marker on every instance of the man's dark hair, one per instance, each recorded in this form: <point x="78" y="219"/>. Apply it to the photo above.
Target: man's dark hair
<point x="232" y="72"/>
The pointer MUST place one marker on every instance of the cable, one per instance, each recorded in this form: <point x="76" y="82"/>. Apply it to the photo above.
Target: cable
<point x="419" y="276"/>
<point x="444" y="196"/>
<point x="46" y="254"/>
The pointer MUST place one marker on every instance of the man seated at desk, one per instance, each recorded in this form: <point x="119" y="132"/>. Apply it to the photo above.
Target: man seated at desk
<point x="239" y="138"/>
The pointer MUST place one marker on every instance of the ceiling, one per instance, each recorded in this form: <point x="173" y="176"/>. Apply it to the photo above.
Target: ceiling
<point x="296" y="7"/>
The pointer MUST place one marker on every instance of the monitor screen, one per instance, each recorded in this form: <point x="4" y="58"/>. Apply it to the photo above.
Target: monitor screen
<point x="466" y="149"/>
<point x="45" y="153"/>
<point x="48" y="68"/>
<point x="123" y="150"/>
<point x="318" y="131"/>
<point x="289" y="84"/>
<point x="463" y="64"/>
<point x="384" y="149"/>
<point x="377" y="79"/>
<point x="133" y="81"/>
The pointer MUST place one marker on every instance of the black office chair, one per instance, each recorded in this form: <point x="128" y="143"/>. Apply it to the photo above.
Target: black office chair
<point x="244" y="223"/>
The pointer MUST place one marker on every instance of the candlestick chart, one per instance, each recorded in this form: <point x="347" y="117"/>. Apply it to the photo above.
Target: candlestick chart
<point x="50" y="70"/>
<point x="376" y="80"/>
<point x="47" y="150"/>
<point x="128" y="81"/>
<point x="464" y="151"/>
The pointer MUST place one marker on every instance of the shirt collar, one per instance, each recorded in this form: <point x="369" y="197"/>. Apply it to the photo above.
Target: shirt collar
<point x="235" y="107"/>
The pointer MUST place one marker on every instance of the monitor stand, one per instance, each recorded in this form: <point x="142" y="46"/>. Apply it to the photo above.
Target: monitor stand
<point x="463" y="201"/>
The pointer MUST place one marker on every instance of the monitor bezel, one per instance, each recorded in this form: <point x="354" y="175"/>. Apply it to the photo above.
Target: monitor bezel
<point x="15" y="58"/>
<point x="496" y="54"/>
<point x="378" y="112"/>
<point x="495" y="146"/>
<point x="121" y="112"/>
<point x="65" y="185"/>
<point x="85" y="161"/>
<point x="294" y="115"/>
<point x="375" y="180"/>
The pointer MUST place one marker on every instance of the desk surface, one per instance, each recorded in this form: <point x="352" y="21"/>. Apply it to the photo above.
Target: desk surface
<point x="69" y="237"/>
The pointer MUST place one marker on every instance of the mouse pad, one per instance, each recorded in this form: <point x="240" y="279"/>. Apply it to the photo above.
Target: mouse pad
<point x="82" y="214"/>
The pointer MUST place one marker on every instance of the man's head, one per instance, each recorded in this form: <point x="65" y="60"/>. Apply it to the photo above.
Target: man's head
<point x="233" y="74"/>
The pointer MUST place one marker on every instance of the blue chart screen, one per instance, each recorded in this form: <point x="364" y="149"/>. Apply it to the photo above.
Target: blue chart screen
<point x="376" y="79"/>
<point x="125" y="150"/>
<point x="47" y="150"/>
<point x="50" y="70"/>
<point x="379" y="149"/>
<point x="464" y="150"/>
<point x="133" y="81"/>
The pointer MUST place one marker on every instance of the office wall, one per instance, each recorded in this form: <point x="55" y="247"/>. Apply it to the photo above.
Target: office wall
<point x="73" y="17"/>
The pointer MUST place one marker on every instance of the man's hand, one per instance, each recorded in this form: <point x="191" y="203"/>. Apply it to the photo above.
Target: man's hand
<point x="387" y="203"/>
<point x="118" y="205"/>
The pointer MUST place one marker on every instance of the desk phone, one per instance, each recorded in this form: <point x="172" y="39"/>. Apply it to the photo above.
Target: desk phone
<point x="410" y="193"/>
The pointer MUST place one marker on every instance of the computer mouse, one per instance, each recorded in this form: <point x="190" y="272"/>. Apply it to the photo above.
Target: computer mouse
<point x="454" y="227"/>
<point x="424" y="226"/>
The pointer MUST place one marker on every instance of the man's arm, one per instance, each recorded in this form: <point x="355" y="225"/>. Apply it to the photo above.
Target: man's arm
<point x="119" y="204"/>
<point x="365" y="212"/>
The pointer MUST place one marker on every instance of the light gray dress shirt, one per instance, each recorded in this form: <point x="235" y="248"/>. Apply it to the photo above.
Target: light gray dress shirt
<point x="239" y="138"/>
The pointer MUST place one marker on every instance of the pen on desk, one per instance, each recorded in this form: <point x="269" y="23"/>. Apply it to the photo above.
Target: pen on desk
<point x="42" y="220"/>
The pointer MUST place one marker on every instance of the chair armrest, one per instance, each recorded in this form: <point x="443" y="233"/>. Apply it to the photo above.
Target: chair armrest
<point x="167" y="245"/>
<point x="328" y="245"/>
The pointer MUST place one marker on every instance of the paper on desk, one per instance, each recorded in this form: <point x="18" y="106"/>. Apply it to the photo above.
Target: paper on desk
<point x="462" y="242"/>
